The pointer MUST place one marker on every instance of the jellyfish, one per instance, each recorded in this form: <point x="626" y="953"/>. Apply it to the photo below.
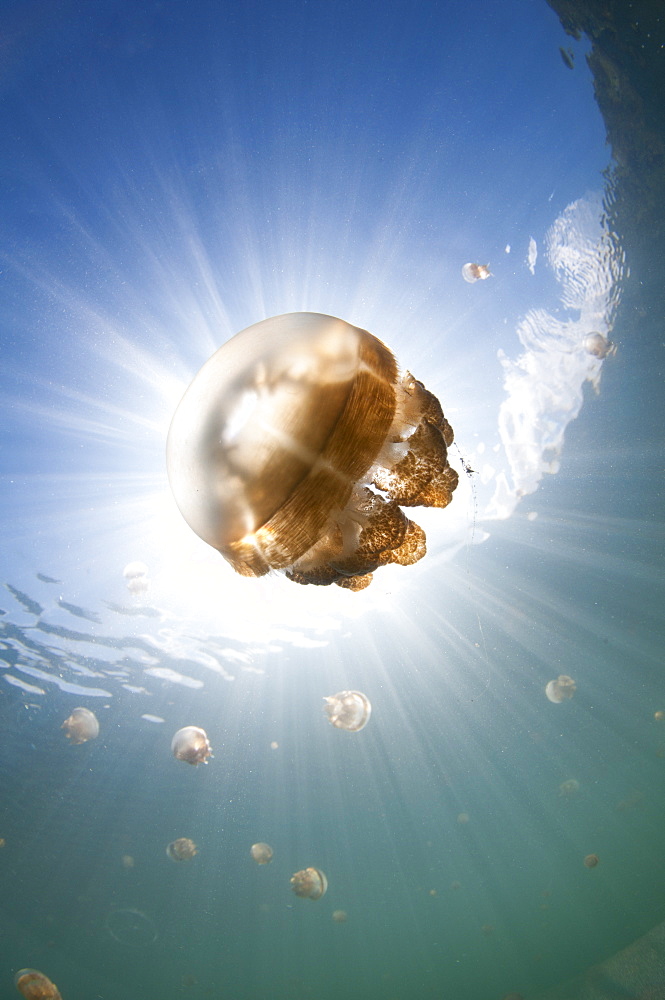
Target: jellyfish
<point x="569" y="788"/>
<point x="127" y="861"/>
<point x="262" y="853"/>
<point x="659" y="715"/>
<point x="591" y="860"/>
<point x="136" y="575"/>
<point x="340" y="916"/>
<point x="182" y="849"/>
<point x="296" y="446"/>
<point x="348" y="710"/>
<point x="310" y="883"/>
<point x="463" y="819"/>
<point x="599" y="346"/>
<point x="561" y="689"/>
<point x="81" y="726"/>
<point x="476" y="272"/>
<point x="34" y="985"/>
<point x="131" y="928"/>
<point x="191" y="745"/>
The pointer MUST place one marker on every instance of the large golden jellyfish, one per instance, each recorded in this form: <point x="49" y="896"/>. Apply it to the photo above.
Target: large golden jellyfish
<point x="82" y="725"/>
<point x="182" y="849"/>
<point x="295" y="445"/>
<point x="561" y="689"/>
<point x="191" y="744"/>
<point x="261" y="853"/>
<point x="310" y="883"/>
<point x="476" y="272"/>
<point x="34" y="985"/>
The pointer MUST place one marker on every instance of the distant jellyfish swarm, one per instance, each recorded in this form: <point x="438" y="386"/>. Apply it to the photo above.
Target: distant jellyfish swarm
<point x="310" y="883"/>
<point x="34" y="985"/>
<point x="295" y="447"/>
<point x="561" y="689"/>
<point x="348" y="710"/>
<point x="182" y="849"/>
<point x="262" y="853"/>
<point x="476" y="272"/>
<point x="191" y="744"/>
<point x="82" y="725"/>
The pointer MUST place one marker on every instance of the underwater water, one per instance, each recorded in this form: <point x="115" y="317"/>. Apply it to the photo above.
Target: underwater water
<point x="172" y="174"/>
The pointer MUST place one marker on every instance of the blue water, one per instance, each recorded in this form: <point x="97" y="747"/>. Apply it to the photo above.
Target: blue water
<point x="172" y="174"/>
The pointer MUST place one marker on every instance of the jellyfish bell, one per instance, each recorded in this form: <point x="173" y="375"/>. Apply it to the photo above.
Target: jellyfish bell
<point x="591" y="860"/>
<point x="182" y="849"/>
<point x="82" y="725"/>
<point x="598" y="346"/>
<point x="310" y="883"/>
<point x="569" y="788"/>
<point x="340" y="916"/>
<point x="135" y="569"/>
<point x="295" y="447"/>
<point x="561" y="689"/>
<point x="131" y="928"/>
<point x="476" y="272"/>
<point x="34" y="985"/>
<point x="191" y="745"/>
<point x="261" y="853"/>
<point x="348" y="710"/>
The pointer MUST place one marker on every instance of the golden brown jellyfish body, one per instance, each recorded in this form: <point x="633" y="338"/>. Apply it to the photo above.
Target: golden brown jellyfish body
<point x="348" y="710"/>
<point x="561" y="689"/>
<point x="297" y="444"/>
<point x="569" y="788"/>
<point x="81" y="726"/>
<point x="191" y="745"/>
<point x="659" y="715"/>
<point x="262" y="853"/>
<point x="34" y="985"/>
<point x="476" y="272"/>
<point x="591" y="860"/>
<point x="598" y="346"/>
<point x="340" y="916"/>
<point x="127" y="861"/>
<point x="310" y="883"/>
<point x="182" y="849"/>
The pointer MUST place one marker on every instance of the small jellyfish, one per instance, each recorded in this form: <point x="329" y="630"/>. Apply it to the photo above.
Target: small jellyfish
<point x="487" y="929"/>
<point x="476" y="272"/>
<point x="81" y="726"/>
<point x="340" y="916"/>
<point x="455" y="885"/>
<point x="348" y="710"/>
<point x="659" y="715"/>
<point x="296" y="446"/>
<point x="262" y="853"/>
<point x="127" y="861"/>
<point x="463" y="818"/>
<point x="131" y="928"/>
<point x="591" y="860"/>
<point x="569" y="788"/>
<point x="561" y="689"/>
<point x="191" y="745"/>
<point x="136" y="575"/>
<point x="599" y="346"/>
<point x="310" y="883"/>
<point x="182" y="849"/>
<point x="34" y="985"/>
